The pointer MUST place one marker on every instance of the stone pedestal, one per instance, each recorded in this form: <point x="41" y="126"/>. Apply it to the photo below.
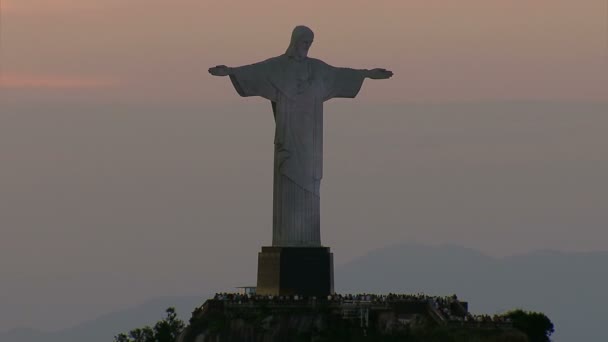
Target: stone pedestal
<point x="305" y="271"/>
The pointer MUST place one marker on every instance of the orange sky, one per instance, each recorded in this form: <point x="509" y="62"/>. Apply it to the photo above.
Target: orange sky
<point x="440" y="51"/>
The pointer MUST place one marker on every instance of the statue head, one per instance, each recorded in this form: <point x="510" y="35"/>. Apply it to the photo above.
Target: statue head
<point x="301" y="40"/>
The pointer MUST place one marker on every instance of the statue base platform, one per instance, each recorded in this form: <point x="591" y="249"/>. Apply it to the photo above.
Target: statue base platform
<point x="284" y="271"/>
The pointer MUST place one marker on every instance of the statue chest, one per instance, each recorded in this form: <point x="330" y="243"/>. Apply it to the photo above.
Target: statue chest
<point x="300" y="83"/>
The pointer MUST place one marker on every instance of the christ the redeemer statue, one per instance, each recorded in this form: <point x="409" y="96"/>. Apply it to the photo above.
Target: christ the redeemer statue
<point x="297" y="86"/>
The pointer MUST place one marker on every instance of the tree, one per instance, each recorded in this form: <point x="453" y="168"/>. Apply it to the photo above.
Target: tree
<point x="165" y="330"/>
<point x="536" y="325"/>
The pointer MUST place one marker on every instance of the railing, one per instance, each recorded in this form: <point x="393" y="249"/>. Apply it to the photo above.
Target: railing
<point x="480" y="324"/>
<point x="436" y="314"/>
<point x="347" y="308"/>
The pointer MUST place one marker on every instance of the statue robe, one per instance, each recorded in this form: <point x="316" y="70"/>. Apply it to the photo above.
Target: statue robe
<point x="297" y="90"/>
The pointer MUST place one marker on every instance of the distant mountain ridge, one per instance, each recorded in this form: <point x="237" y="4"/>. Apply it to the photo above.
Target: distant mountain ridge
<point x="105" y="327"/>
<point x="571" y="288"/>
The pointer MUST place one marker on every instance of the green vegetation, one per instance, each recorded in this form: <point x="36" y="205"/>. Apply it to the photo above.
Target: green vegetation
<point x="165" y="330"/>
<point x="536" y="325"/>
<point x="527" y="327"/>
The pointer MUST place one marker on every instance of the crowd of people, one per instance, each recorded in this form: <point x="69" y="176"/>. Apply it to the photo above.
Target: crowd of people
<point x="442" y="305"/>
<point x="364" y="297"/>
<point x="436" y="301"/>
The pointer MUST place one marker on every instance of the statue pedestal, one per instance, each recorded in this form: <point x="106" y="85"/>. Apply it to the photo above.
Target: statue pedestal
<point x="305" y="271"/>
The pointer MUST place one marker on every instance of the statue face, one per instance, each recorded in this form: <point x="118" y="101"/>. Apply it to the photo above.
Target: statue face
<point x="302" y="47"/>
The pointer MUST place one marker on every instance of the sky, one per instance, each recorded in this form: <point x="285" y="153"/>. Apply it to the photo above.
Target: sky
<point x="128" y="172"/>
<point x="132" y="50"/>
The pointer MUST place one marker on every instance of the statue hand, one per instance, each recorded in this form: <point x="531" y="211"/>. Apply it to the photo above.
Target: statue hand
<point x="379" y="74"/>
<point x="220" y="70"/>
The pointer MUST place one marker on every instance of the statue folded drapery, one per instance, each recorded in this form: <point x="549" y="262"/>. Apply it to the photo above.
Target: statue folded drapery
<point x="297" y="90"/>
<point x="297" y="86"/>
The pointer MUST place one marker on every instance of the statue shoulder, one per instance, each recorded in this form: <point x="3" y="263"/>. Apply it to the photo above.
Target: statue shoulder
<point x="275" y="60"/>
<point x="320" y="66"/>
<point x="318" y="63"/>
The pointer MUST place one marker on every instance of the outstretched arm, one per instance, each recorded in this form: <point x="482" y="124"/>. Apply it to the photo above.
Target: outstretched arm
<point x="250" y="80"/>
<point x="377" y="74"/>
<point x="220" y="70"/>
<point x="346" y="82"/>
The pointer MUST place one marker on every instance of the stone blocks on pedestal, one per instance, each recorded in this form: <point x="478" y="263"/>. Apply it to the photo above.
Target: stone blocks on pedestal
<point x="295" y="270"/>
